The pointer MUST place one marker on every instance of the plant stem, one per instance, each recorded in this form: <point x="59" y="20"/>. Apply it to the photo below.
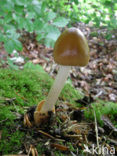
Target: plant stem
<point x="56" y="88"/>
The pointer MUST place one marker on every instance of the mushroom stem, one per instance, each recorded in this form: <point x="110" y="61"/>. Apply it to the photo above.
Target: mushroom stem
<point x="56" y="89"/>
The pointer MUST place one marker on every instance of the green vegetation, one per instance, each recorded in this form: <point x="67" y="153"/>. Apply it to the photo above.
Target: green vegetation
<point x="11" y="142"/>
<point x="102" y="108"/>
<point x="20" y="89"/>
<point x="100" y="13"/>
<point x="45" y="18"/>
<point x="29" y="86"/>
<point x="30" y="16"/>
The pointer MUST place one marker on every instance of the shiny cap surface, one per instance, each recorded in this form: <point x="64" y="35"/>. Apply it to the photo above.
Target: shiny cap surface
<point x="71" y="48"/>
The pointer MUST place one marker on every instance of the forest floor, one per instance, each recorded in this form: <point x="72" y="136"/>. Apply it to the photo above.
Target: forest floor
<point x="98" y="78"/>
<point x="91" y="104"/>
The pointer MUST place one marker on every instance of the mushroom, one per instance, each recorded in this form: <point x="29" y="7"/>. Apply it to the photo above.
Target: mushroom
<point x="71" y="49"/>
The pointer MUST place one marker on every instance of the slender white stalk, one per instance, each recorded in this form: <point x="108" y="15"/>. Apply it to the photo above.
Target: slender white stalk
<point x="56" y="88"/>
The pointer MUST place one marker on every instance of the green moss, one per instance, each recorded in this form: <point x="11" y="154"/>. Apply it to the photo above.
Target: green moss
<point x="70" y="94"/>
<point x="102" y="108"/>
<point x="29" y="87"/>
<point x="40" y="148"/>
<point x="6" y="113"/>
<point x="11" y="142"/>
<point x="20" y="89"/>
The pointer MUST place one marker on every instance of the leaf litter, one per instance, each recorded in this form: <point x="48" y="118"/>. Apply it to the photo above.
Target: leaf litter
<point x="67" y="131"/>
<point x="98" y="78"/>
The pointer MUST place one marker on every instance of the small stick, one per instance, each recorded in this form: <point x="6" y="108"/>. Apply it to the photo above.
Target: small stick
<point x="96" y="130"/>
<point x="50" y="136"/>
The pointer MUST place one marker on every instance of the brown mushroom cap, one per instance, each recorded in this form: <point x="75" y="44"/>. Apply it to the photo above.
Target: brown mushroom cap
<point x="71" y="48"/>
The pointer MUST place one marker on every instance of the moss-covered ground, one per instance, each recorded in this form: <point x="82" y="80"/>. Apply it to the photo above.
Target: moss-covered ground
<point x="20" y="89"/>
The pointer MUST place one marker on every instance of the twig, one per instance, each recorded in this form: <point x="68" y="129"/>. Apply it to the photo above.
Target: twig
<point x="72" y="136"/>
<point x="96" y="130"/>
<point x="4" y="120"/>
<point x="50" y="136"/>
